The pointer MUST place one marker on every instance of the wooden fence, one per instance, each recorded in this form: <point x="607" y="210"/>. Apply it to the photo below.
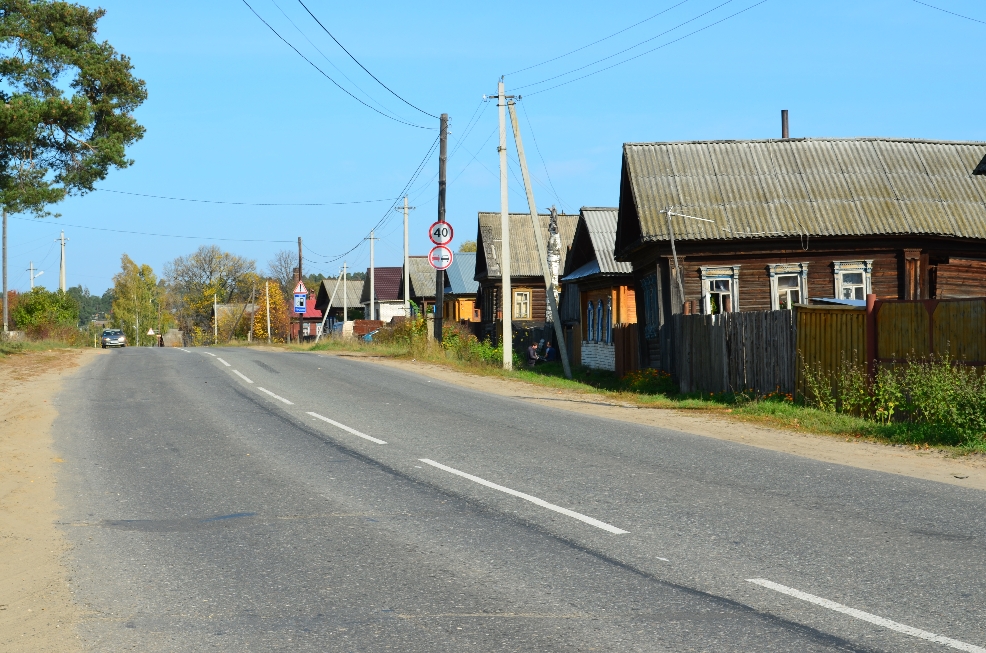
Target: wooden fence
<point x="733" y="352"/>
<point x="626" y="345"/>
<point x="827" y="336"/>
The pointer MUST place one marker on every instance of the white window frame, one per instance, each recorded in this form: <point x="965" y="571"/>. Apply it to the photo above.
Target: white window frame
<point x="516" y="314"/>
<point x="840" y="268"/>
<point x="713" y="273"/>
<point x="782" y="270"/>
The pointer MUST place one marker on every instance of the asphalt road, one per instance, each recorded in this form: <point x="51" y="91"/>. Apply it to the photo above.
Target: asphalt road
<point x="240" y="500"/>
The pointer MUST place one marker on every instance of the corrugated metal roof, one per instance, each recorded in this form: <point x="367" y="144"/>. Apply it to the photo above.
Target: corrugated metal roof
<point x="386" y="285"/>
<point x="459" y="276"/>
<point x="523" y="247"/>
<point x="354" y="290"/>
<point x="422" y="277"/>
<point x="821" y="187"/>
<point x="601" y="224"/>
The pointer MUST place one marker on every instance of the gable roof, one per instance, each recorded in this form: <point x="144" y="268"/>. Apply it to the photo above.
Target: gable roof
<point x="422" y="277"/>
<point x="785" y="188"/>
<point x="459" y="276"/>
<point x="354" y="290"/>
<point x="523" y="246"/>
<point x="386" y="285"/>
<point x="592" y="246"/>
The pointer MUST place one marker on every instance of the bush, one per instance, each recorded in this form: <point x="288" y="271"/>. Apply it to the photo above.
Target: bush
<point x="45" y="314"/>
<point x="650" y="381"/>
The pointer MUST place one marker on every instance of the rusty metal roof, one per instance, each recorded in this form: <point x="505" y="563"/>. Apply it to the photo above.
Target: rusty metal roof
<point x="815" y="186"/>
<point x="523" y="247"/>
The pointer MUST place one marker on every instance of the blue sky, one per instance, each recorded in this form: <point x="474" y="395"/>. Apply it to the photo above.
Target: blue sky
<point x="234" y="115"/>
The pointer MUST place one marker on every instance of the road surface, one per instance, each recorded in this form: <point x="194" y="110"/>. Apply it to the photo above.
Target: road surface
<point x="241" y="500"/>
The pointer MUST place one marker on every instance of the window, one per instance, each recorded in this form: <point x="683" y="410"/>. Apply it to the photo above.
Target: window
<point x="788" y="285"/>
<point x="609" y="321"/>
<point x="522" y="305"/>
<point x="651" y="314"/>
<point x="852" y="279"/>
<point x="720" y="289"/>
<point x="600" y="327"/>
<point x="590" y="314"/>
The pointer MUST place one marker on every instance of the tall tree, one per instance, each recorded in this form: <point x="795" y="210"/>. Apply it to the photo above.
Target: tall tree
<point x="282" y="268"/>
<point x="207" y="273"/>
<point x="136" y="300"/>
<point x="66" y="106"/>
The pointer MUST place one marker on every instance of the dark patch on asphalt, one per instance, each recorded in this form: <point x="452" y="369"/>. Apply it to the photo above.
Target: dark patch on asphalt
<point x="266" y="367"/>
<point x="172" y="525"/>
<point x="948" y="537"/>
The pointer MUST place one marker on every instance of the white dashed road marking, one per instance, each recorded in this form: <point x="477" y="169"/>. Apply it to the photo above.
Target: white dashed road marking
<point x="526" y="497"/>
<point x="222" y="361"/>
<point x="866" y="616"/>
<point x="278" y="397"/>
<point x="211" y="354"/>
<point x="240" y="374"/>
<point x="346" y="428"/>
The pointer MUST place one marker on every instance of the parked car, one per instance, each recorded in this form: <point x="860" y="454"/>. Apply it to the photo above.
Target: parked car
<point x="113" y="338"/>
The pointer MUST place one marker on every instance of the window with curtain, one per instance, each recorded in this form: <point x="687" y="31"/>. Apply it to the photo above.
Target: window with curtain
<point x="600" y="330"/>
<point x="590" y="313"/>
<point x="609" y="321"/>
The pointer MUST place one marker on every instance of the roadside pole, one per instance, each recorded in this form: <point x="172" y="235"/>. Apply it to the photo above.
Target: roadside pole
<point x="549" y="286"/>
<point x="506" y="294"/>
<point x="407" y="263"/>
<point x="6" y="309"/>
<point x="345" y="301"/>
<point x="325" y="314"/>
<point x="373" y="295"/>
<point x="215" y="319"/>
<point x="253" y="310"/>
<point x="440" y="274"/>
<point x="301" y="277"/>
<point x="267" y="290"/>
<point x="61" y="268"/>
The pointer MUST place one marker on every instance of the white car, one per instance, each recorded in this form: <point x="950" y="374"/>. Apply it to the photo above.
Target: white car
<point x="113" y="338"/>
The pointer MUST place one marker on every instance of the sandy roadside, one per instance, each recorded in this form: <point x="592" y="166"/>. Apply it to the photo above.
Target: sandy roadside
<point x="965" y="471"/>
<point x="37" y="612"/>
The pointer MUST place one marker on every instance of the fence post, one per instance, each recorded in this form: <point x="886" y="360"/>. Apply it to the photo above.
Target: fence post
<point x="871" y="339"/>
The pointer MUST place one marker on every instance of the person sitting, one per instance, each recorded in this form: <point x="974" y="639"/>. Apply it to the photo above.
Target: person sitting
<point x="549" y="352"/>
<point x="532" y="355"/>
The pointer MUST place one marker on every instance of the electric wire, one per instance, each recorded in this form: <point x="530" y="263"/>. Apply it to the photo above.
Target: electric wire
<point x="637" y="56"/>
<point x="605" y="38"/>
<point x="361" y="65"/>
<point x="975" y="20"/>
<point x="143" y="233"/>
<point x="538" y="148"/>
<point x="185" y="199"/>
<point x="328" y="77"/>
<point x="625" y="50"/>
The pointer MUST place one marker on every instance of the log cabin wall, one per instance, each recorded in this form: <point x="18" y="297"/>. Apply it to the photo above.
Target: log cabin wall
<point x="960" y="277"/>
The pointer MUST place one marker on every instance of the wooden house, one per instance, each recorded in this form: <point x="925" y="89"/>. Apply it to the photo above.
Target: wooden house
<point x="598" y="290"/>
<point x="333" y="289"/>
<point x="422" y="277"/>
<point x="529" y="301"/>
<point x="766" y="224"/>
<point x="461" y="289"/>
<point x="388" y="303"/>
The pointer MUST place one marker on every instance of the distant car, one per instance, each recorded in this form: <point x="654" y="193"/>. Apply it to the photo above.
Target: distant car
<point x="113" y="338"/>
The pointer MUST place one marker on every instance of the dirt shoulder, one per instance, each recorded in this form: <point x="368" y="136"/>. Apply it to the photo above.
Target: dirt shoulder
<point x="36" y="608"/>
<point x="965" y="471"/>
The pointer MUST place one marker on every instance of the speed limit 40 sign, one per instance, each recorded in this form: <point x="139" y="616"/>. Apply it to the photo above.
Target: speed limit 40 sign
<point x="440" y="233"/>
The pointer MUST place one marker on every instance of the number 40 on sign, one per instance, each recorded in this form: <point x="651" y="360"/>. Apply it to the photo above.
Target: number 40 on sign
<point x="440" y="233"/>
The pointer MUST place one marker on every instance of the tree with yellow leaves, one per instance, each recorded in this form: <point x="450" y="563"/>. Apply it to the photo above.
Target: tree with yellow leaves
<point x="278" y="313"/>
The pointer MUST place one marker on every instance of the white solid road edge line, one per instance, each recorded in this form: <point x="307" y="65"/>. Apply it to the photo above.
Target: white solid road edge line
<point x="240" y="374"/>
<point x="866" y="616"/>
<point x="223" y="362"/>
<point x="346" y="428"/>
<point x="544" y="504"/>
<point x="278" y="397"/>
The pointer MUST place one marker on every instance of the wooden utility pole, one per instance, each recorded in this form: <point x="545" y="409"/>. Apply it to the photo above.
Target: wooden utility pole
<point x="301" y="277"/>
<point x="549" y="286"/>
<point x="506" y="294"/>
<point x="440" y="274"/>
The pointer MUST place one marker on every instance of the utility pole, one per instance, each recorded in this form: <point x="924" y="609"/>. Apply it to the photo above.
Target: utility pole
<point x="549" y="286"/>
<point x="34" y="276"/>
<point x="440" y="274"/>
<point x="373" y="295"/>
<point x="301" y="277"/>
<point x="267" y="290"/>
<point x="6" y="308"/>
<point x="253" y="310"/>
<point x="61" y="269"/>
<point x="215" y="318"/>
<point x="345" y="300"/>
<point x="407" y="264"/>
<point x="506" y="294"/>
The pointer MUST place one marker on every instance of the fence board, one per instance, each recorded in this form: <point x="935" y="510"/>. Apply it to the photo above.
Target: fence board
<point x="902" y="329"/>
<point x="827" y="335"/>
<point x="960" y="329"/>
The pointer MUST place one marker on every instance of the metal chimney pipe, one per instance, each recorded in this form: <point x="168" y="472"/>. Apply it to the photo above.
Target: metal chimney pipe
<point x="784" y="130"/>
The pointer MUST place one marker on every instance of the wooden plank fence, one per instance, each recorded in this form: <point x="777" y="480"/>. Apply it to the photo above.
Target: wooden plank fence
<point x="627" y="349"/>
<point x="828" y="335"/>
<point x="734" y="352"/>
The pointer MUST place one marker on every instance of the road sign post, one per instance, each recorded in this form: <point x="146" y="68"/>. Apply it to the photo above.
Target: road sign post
<point x="440" y="257"/>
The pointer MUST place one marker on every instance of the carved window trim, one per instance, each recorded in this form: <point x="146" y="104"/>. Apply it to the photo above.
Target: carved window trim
<point x="711" y="273"/>
<point x="840" y="268"/>
<point x="775" y="270"/>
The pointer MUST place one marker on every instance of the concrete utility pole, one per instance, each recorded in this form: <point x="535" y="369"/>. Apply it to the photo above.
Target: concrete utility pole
<point x="267" y="290"/>
<point x="440" y="274"/>
<point x="61" y="269"/>
<point x="6" y="309"/>
<point x="549" y="286"/>
<point x="301" y="277"/>
<point x="506" y="294"/>
<point x="215" y="319"/>
<point x="325" y="314"/>
<point x="345" y="300"/>
<point x="373" y="295"/>
<point x="33" y="275"/>
<point x="407" y="264"/>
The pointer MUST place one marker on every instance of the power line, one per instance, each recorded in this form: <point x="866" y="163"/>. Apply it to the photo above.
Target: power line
<point x="605" y="38"/>
<point x="624" y="50"/>
<point x="975" y="20"/>
<point x="538" y="148"/>
<point x="361" y="65"/>
<point x="142" y="233"/>
<point x="185" y="199"/>
<point x="637" y="56"/>
<point x="326" y="75"/>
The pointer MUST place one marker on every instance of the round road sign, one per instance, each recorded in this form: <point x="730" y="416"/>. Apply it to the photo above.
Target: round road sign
<point x="440" y="257"/>
<point x="440" y="233"/>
